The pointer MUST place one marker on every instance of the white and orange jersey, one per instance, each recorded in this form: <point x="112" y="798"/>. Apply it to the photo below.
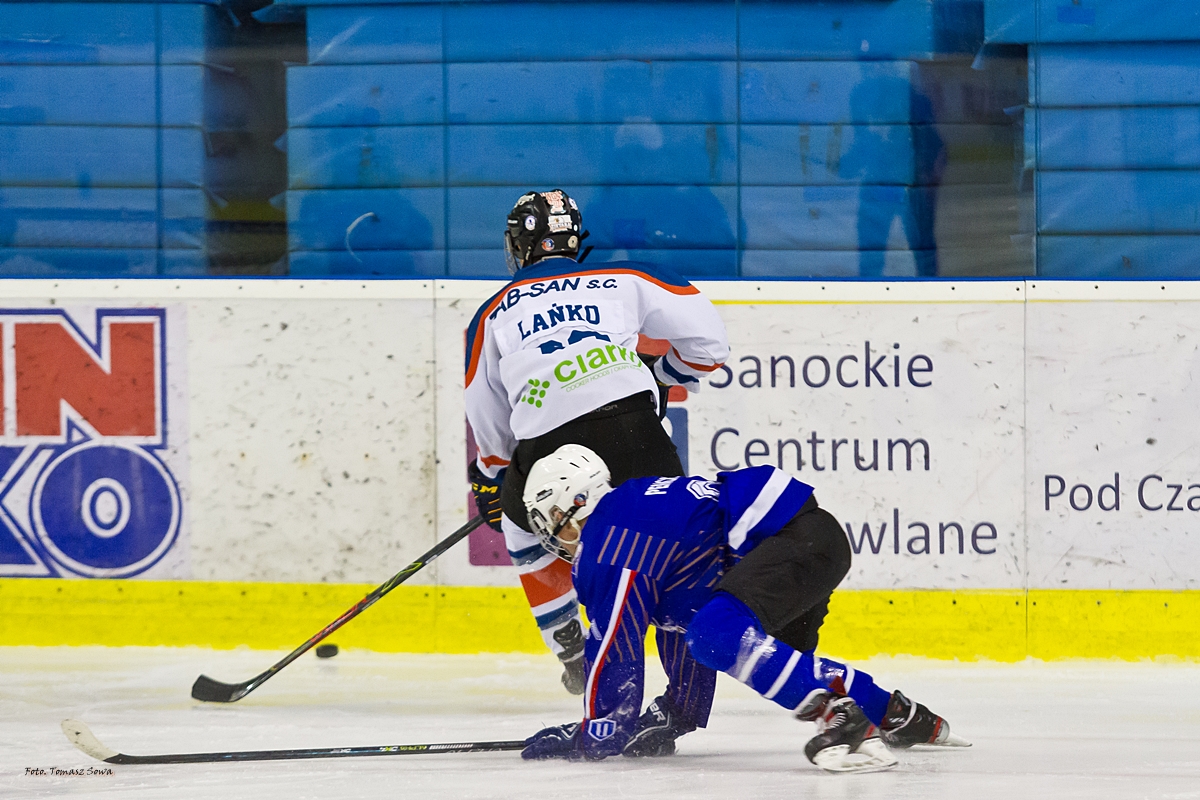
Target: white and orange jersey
<point x="560" y="340"/>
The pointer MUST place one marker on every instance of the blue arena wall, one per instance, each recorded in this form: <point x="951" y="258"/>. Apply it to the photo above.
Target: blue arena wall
<point x="1110" y="132"/>
<point x="806" y="138"/>
<point x="722" y="139"/>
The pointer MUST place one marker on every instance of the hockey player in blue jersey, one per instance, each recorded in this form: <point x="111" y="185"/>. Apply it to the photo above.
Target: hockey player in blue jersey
<point x="735" y="574"/>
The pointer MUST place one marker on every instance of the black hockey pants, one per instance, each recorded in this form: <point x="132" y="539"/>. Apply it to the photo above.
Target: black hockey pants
<point x="787" y="579"/>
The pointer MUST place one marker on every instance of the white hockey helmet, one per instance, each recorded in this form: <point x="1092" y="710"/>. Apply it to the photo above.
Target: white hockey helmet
<point x="565" y="485"/>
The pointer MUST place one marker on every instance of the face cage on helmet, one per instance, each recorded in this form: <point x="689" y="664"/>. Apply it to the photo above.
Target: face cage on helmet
<point x="512" y="259"/>
<point x="549" y="538"/>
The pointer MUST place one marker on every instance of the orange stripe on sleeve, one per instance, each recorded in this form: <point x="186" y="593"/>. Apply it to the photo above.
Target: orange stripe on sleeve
<point x="689" y="289"/>
<point x="699" y="367"/>
<point x="493" y="461"/>
<point x="548" y="583"/>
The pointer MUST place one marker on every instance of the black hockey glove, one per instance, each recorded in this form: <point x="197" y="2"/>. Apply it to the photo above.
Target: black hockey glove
<point x="487" y="494"/>
<point x="570" y="636"/>
<point x="561" y="741"/>
<point x="664" y="391"/>
<point x="657" y="730"/>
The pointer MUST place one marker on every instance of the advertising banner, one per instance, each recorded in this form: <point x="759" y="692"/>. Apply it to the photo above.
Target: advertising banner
<point x="289" y="424"/>
<point x="1112" y="445"/>
<point x="972" y="435"/>
<point x="880" y="400"/>
<point x="94" y="451"/>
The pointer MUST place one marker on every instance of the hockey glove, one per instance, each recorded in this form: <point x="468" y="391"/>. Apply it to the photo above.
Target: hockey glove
<point x="570" y="636"/>
<point x="666" y="376"/>
<point x="664" y="391"/>
<point x="657" y="730"/>
<point x="561" y="741"/>
<point x="487" y="494"/>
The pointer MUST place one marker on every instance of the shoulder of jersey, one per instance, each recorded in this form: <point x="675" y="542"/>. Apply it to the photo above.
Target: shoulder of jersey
<point x="660" y="276"/>
<point x="662" y="504"/>
<point x="619" y="501"/>
<point x="668" y="490"/>
<point x="663" y="276"/>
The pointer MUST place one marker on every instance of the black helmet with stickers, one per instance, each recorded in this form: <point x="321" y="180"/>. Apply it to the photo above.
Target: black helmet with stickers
<point x="542" y="224"/>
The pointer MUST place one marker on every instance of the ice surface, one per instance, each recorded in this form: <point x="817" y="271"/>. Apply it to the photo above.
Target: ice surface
<point x="1077" y="730"/>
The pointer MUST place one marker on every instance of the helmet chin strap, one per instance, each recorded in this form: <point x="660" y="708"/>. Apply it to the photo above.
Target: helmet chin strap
<point x="562" y="523"/>
<point x="586" y="251"/>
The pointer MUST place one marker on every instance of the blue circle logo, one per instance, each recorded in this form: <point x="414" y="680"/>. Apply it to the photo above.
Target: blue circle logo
<point x="106" y="510"/>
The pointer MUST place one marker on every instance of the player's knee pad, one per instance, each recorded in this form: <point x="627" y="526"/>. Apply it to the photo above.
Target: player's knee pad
<point x="715" y="633"/>
<point x="727" y="636"/>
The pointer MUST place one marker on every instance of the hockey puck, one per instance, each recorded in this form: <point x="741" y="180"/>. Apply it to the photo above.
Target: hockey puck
<point x="327" y="650"/>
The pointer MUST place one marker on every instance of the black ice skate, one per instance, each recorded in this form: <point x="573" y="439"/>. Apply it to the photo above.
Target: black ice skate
<point x="812" y="708"/>
<point x="907" y="723"/>
<point x="570" y="638"/>
<point x="846" y="741"/>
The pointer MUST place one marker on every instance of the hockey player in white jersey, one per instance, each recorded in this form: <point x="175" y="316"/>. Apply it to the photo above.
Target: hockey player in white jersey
<point x="551" y="360"/>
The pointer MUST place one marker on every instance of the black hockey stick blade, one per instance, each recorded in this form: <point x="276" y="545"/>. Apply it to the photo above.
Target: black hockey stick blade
<point x="213" y="691"/>
<point x="83" y="738"/>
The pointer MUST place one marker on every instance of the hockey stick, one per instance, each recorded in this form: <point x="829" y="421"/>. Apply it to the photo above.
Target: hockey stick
<point x="664" y="391"/>
<point x="212" y="691"/>
<point x="82" y="737"/>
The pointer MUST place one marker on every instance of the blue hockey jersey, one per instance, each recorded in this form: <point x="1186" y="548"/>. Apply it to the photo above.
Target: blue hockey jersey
<point x="652" y="553"/>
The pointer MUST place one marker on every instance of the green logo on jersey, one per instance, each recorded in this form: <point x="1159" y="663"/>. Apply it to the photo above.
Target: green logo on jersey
<point x="599" y="362"/>
<point x="537" y="390"/>
<point x="595" y="363"/>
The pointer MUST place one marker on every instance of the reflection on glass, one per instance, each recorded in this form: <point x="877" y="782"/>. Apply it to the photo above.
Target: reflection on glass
<point x="750" y="139"/>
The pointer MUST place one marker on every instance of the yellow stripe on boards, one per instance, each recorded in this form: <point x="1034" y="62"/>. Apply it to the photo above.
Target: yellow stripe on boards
<point x="965" y="625"/>
<point x="999" y="625"/>
<point x="269" y="616"/>
<point x="1010" y="625"/>
<point x="1133" y="625"/>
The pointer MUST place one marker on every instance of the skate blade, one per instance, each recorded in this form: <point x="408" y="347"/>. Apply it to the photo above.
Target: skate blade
<point x="951" y="740"/>
<point x="871" y="756"/>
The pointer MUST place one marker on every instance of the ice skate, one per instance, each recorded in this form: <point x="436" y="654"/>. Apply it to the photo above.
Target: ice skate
<point x="812" y="708"/>
<point x="909" y="724"/>
<point x="846" y="740"/>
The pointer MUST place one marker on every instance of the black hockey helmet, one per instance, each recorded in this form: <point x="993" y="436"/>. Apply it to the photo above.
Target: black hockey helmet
<point x="542" y="224"/>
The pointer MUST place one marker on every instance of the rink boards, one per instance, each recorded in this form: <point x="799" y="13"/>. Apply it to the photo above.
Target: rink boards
<point x="1012" y="460"/>
<point x="969" y="625"/>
